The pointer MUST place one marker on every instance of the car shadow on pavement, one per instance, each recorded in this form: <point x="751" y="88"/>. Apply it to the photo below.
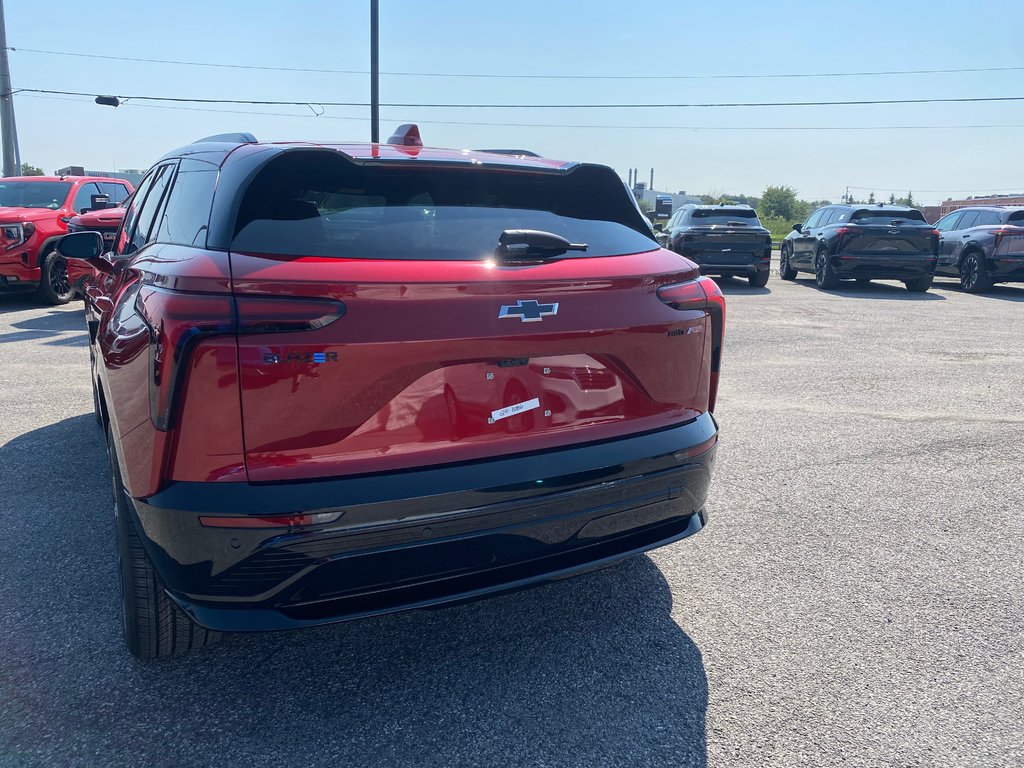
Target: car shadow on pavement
<point x="874" y="290"/>
<point x="587" y="671"/>
<point x="46" y="323"/>
<point x="738" y="285"/>
<point x="1001" y="291"/>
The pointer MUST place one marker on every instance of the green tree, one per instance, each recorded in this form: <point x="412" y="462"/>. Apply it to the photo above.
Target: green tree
<point x="892" y="199"/>
<point x="871" y="199"/>
<point x="31" y="170"/>
<point x="779" y="203"/>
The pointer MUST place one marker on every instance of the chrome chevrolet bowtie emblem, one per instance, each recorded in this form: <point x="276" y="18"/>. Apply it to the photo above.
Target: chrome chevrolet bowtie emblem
<point x="529" y="311"/>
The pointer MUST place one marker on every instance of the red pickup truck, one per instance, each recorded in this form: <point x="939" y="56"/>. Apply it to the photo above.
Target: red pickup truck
<point x="34" y="215"/>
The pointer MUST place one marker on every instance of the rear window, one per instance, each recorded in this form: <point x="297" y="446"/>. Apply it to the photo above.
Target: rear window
<point x="1016" y="218"/>
<point x="741" y="216"/>
<point x="320" y="204"/>
<point x="873" y="216"/>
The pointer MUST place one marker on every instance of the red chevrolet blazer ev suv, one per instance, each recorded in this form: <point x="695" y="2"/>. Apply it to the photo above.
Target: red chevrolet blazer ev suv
<point x="340" y="380"/>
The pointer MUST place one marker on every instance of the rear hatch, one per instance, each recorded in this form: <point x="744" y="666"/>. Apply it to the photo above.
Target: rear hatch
<point x="896" y="233"/>
<point x="724" y="231"/>
<point x="379" y="330"/>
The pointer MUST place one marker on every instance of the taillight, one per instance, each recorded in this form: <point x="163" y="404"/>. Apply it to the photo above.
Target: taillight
<point x="703" y="294"/>
<point x="272" y="521"/>
<point x="177" y="321"/>
<point x="258" y="314"/>
<point x="844" y="230"/>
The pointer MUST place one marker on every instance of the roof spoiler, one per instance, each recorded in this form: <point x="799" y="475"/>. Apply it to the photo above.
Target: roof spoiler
<point x="228" y="138"/>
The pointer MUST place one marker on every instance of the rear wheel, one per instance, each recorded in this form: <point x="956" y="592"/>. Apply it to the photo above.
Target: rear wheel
<point x="919" y="285"/>
<point x="786" y="272"/>
<point x="54" y="287"/>
<point x="153" y="624"/>
<point x="760" y="280"/>
<point x="824" y="277"/>
<point x="972" y="274"/>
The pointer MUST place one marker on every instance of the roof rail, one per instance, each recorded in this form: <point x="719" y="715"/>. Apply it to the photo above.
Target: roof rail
<point x="229" y="138"/>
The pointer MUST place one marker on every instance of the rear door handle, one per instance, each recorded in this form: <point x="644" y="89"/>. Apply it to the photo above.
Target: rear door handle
<point x="966" y="236"/>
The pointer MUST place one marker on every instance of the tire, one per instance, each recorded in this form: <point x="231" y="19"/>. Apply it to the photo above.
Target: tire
<point x="760" y="280"/>
<point x="972" y="273"/>
<point x="153" y="624"/>
<point x="54" y="287"/>
<point x="824" y="277"/>
<point x="786" y="272"/>
<point x="919" y="285"/>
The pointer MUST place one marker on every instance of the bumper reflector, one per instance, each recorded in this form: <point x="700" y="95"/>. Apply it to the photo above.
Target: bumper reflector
<point x="275" y="521"/>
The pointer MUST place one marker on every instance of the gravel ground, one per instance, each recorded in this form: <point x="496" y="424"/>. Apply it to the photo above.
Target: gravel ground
<point x="855" y="600"/>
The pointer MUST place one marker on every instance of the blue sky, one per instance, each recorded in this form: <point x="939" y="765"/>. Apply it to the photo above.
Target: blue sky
<point x="733" y="154"/>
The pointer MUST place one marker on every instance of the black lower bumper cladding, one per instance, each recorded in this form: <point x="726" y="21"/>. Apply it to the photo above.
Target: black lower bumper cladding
<point x="425" y="537"/>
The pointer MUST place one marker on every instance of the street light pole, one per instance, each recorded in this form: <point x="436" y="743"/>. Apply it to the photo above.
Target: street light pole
<point x="374" y="71"/>
<point x="11" y="154"/>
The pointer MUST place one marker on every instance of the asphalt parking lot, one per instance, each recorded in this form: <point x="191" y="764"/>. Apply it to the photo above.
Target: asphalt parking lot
<point x="855" y="600"/>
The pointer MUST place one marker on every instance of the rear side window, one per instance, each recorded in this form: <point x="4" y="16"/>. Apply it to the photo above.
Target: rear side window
<point x="986" y="219"/>
<point x="117" y="193"/>
<point x="187" y="213"/>
<point x="320" y="204"/>
<point x="1016" y="218"/>
<point x="968" y="220"/>
<point x="816" y="217"/>
<point x="147" y="214"/>
<point x="875" y="216"/>
<point x="740" y="216"/>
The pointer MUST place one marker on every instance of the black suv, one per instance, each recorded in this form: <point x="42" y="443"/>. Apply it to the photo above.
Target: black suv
<point x="722" y="239"/>
<point x="862" y="243"/>
<point x="982" y="246"/>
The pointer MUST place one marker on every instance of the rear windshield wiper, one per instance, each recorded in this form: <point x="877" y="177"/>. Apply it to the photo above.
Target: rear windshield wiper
<point x="533" y="243"/>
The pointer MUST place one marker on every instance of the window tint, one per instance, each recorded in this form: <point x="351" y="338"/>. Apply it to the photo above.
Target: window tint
<point x="319" y="204"/>
<point x="132" y="214"/>
<point x="116" y="192"/>
<point x="1016" y="218"/>
<point x="187" y="213"/>
<point x="968" y="220"/>
<point x="148" y="212"/>
<point x="949" y="221"/>
<point x="83" y="197"/>
<point x="34" y="194"/>
<point x="816" y="218"/>
<point x="987" y="219"/>
<point x="742" y="216"/>
<point x="882" y="216"/>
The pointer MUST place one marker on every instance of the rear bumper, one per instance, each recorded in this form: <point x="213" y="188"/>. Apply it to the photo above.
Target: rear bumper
<point x="426" y="537"/>
<point x="733" y="262"/>
<point x="882" y="267"/>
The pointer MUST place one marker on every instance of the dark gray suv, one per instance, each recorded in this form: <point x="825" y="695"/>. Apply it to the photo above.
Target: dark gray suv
<point x="982" y="245"/>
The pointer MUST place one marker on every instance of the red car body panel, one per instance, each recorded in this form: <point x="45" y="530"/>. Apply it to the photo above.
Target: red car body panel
<point x="419" y="370"/>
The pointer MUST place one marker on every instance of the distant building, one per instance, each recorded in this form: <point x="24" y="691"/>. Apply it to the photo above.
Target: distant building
<point x="650" y="196"/>
<point x="131" y="175"/>
<point x="952" y="205"/>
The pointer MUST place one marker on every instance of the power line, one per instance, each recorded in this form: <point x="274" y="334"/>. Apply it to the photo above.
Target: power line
<point x="935" y="191"/>
<point x="425" y="105"/>
<point x="562" y="125"/>
<point x="482" y="75"/>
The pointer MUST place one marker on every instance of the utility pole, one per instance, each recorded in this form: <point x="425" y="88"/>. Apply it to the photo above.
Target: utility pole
<point x="11" y="153"/>
<point x="374" y="70"/>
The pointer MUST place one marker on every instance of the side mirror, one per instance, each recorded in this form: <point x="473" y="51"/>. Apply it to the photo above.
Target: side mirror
<point x="81" y="245"/>
<point x="798" y="228"/>
<point x="99" y="202"/>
